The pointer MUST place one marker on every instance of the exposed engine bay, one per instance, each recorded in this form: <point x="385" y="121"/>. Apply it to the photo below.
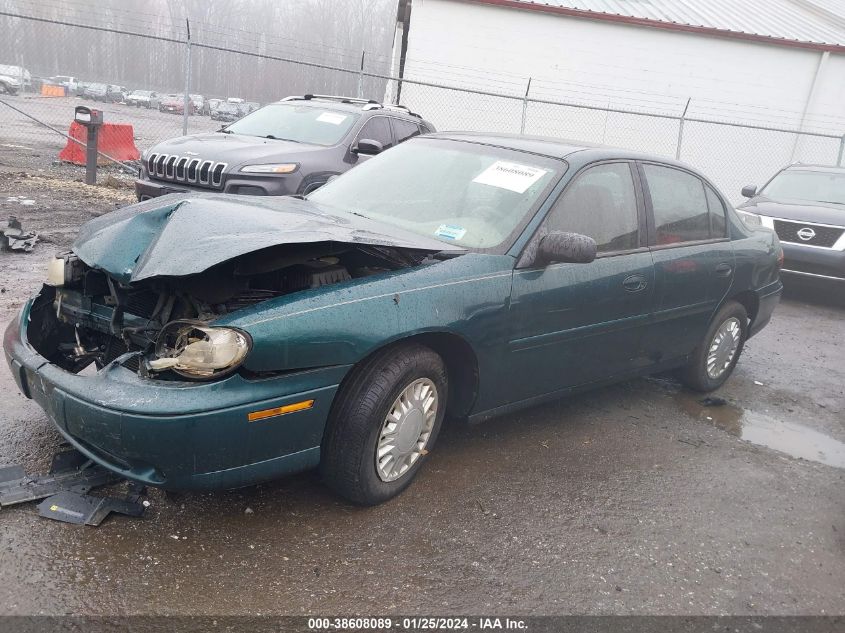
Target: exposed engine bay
<point x="84" y="319"/>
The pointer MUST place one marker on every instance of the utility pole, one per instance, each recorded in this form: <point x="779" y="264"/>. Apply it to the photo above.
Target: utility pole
<point x="186" y="102"/>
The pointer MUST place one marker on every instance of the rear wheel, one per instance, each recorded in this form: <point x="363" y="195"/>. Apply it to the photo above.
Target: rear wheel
<point x="383" y="424"/>
<point x="714" y="360"/>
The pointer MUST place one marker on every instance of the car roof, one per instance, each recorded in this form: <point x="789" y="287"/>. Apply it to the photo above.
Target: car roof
<point x="819" y="168"/>
<point x="350" y="104"/>
<point x="553" y="147"/>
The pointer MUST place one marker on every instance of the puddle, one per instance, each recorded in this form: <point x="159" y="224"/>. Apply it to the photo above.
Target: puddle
<point x="793" y="439"/>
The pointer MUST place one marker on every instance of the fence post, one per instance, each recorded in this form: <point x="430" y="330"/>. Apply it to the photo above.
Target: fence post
<point x="361" y="77"/>
<point x="681" y="131"/>
<point x="525" y="107"/>
<point x="186" y="102"/>
<point x="841" y="151"/>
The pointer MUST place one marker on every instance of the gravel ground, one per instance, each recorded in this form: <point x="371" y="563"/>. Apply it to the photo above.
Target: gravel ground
<point x="633" y="499"/>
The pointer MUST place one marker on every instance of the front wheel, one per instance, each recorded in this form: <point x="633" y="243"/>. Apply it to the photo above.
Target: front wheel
<point x="383" y="424"/>
<point x="714" y="359"/>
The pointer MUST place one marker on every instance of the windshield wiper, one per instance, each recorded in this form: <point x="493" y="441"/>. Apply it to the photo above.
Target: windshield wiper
<point x="276" y="138"/>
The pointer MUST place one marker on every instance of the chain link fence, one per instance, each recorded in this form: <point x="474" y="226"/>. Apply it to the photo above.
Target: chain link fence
<point x="207" y="64"/>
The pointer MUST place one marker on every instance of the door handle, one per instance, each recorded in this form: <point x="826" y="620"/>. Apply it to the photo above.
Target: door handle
<point x="724" y="269"/>
<point x="635" y="283"/>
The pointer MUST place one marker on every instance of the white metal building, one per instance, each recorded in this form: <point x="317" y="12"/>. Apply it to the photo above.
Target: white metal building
<point x="778" y="63"/>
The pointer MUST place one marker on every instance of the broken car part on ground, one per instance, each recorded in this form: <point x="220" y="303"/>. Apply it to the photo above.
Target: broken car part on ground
<point x="228" y="341"/>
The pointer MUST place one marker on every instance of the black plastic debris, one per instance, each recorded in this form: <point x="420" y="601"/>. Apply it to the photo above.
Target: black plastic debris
<point x="65" y="490"/>
<point x="14" y="238"/>
<point x="70" y="470"/>
<point x="713" y="401"/>
<point x="85" y="509"/>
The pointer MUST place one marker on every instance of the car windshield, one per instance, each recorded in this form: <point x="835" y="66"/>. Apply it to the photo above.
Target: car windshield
<point x="465" y="193"/>
<point x="141" y="93"/>
<point x="304" y="124"/>
<point x="812" y="186"/>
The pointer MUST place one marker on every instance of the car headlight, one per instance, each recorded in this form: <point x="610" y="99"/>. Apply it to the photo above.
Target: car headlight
<point x="750" y="219"/>
<point x="199" y="351"/>
<point x="275" y="168"/>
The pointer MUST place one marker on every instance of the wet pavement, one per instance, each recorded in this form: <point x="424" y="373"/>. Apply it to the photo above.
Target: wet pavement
<point x="637" y="498"/>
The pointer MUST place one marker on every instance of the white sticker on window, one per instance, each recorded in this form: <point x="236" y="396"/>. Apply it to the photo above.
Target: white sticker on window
<point x="511" y="176"/>
<point x="450" y="232"/>
<point x="332" y="117"/>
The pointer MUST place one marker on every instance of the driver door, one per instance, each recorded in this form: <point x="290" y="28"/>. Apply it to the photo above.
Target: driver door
<point x="572" y="324"/>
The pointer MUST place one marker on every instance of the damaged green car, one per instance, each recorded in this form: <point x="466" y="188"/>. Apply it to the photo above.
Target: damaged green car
<point x="212" y="341"/>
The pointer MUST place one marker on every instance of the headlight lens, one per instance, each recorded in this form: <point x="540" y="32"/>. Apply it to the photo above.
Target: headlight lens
<point x="750" y="219"/>
<point x="275" y="168"/>
<point x="199" y="351"/>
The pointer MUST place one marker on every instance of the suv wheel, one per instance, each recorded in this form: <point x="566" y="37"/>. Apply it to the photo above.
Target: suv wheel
<point x="383" y="424"/>
<point x="714" y="360"/>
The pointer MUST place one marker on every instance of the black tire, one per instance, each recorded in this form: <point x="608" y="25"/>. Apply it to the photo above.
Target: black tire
<point x="695" y="374"/>
<point x="348" y="453"/>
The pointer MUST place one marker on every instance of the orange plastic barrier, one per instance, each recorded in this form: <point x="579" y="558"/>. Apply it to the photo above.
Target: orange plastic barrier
<point x="115" y="139"/>
<point x="48" y="90"/>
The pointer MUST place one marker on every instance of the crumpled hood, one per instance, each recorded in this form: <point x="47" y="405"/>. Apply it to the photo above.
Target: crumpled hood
<point x="185" y="234"/>
<point x="235" y="149"/>
<point x="823" y="213"/>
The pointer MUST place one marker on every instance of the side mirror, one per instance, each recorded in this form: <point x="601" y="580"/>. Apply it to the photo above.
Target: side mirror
<point x="572" y="248"/>
<point x="367" y="146"/>
<point x="749" y="191"/>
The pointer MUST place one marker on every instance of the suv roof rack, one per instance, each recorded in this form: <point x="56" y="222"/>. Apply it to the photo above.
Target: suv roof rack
<point x="369" y="104"/>
<point x="339" y="98"/>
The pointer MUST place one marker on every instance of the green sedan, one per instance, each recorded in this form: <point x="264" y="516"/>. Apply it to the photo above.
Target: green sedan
<point x="210" y="341"/>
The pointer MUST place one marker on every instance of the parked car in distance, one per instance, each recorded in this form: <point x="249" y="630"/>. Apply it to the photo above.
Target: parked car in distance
<point x="198" y="103"/>
<point x="248" y="107"/>
<point x="143" y="99"/>
<point x="459" y="273"/>
<point x="14" y="79"/>
<point x="9" y="84"/>
<point x="289" y="147"/>
<point x="108" y="93"/>
<point x="805" y="205"/>
<point x="95" y="91"/>
<point x="226" y="112"/>
<point x="211" y="106"/>
<point x="175" y="104"/>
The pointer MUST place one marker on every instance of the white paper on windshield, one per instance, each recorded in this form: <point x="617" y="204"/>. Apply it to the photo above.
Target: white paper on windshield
<point x="332" y="117"/>
<point x="450" y="231"/>
<point x="511" y="176"/>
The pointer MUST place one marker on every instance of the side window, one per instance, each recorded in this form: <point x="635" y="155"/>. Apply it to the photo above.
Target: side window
<point x="403" y="130"/>
<point x="718" y="225"/>
<point x="377" y="129"/>
<point x="679" y="203"/>
<point x="600" y="203"/>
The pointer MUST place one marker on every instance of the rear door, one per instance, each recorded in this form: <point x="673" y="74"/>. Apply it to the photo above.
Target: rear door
<point x="572" y="324"/>
<point x="693" y="258"/>
<point x="403" y="129"/>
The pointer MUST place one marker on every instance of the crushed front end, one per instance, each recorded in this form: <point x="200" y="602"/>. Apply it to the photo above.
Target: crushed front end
<point x="137" y="376"/>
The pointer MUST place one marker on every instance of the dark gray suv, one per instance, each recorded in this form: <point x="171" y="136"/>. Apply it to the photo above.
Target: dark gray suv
<point x="289" y="147"/>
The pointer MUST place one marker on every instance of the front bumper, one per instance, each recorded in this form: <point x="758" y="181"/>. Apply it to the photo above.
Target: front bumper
<point x="813" y="262"/>
<point x="242" y="184"/>
<point x="178" y="435"/>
